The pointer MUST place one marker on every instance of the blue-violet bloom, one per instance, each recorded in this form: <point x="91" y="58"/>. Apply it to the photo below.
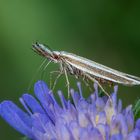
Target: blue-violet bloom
<point x="94" y="118"/>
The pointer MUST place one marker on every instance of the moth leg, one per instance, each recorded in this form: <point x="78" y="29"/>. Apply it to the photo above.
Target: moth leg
<point x="68" y="83"/>
<point x="51" y="73"/>
<point x="111" y="84"/>
<point x="94" y="80"/>
<point x="86" y="83"/>
<point x="47" y="65"/>
<point x="58" y="76"/>
<point x="43" y="71"/>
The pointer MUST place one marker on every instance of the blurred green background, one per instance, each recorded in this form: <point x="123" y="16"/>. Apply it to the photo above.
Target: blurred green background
<point x="104" y="31"/>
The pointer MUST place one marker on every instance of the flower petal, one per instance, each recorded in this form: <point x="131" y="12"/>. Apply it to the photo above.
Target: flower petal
<point x="135" y="135"/>
<point x="33" y="104"/>
<point x="91" y="134"/>
<point x="16" y="118"/>
<point x="138" y="124"/>
<point x="117" y="137"/>
<point x="42" y="93"/>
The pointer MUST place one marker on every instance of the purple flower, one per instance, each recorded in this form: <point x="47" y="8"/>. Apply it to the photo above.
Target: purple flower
<point x="95" y="118"/>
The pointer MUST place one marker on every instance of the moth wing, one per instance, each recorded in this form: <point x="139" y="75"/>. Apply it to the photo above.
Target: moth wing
<point x="99" y="70"/>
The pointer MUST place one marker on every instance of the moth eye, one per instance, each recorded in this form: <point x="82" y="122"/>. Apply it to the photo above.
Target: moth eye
<point x="56" y="57"/>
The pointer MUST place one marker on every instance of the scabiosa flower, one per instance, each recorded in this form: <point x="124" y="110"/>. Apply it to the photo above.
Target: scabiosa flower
<point x="95" y="118"/>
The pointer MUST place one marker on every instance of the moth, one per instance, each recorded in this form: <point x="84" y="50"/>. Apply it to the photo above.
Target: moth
<point x="85" y="68"/>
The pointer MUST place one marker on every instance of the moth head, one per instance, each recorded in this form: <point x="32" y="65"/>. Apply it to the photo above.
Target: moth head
<point x="45" y="51"/>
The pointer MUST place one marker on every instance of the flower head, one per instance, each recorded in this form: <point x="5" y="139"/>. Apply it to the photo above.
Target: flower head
<point x="95" y="118"/>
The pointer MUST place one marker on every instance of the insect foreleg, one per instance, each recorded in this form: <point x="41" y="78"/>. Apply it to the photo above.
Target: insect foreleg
<point x="43" y="71"/>
<point x="51" y="73"/>
<point x="54" y="84"/>
<point x="61" y="71"/>
<point x="46" y="65"/>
